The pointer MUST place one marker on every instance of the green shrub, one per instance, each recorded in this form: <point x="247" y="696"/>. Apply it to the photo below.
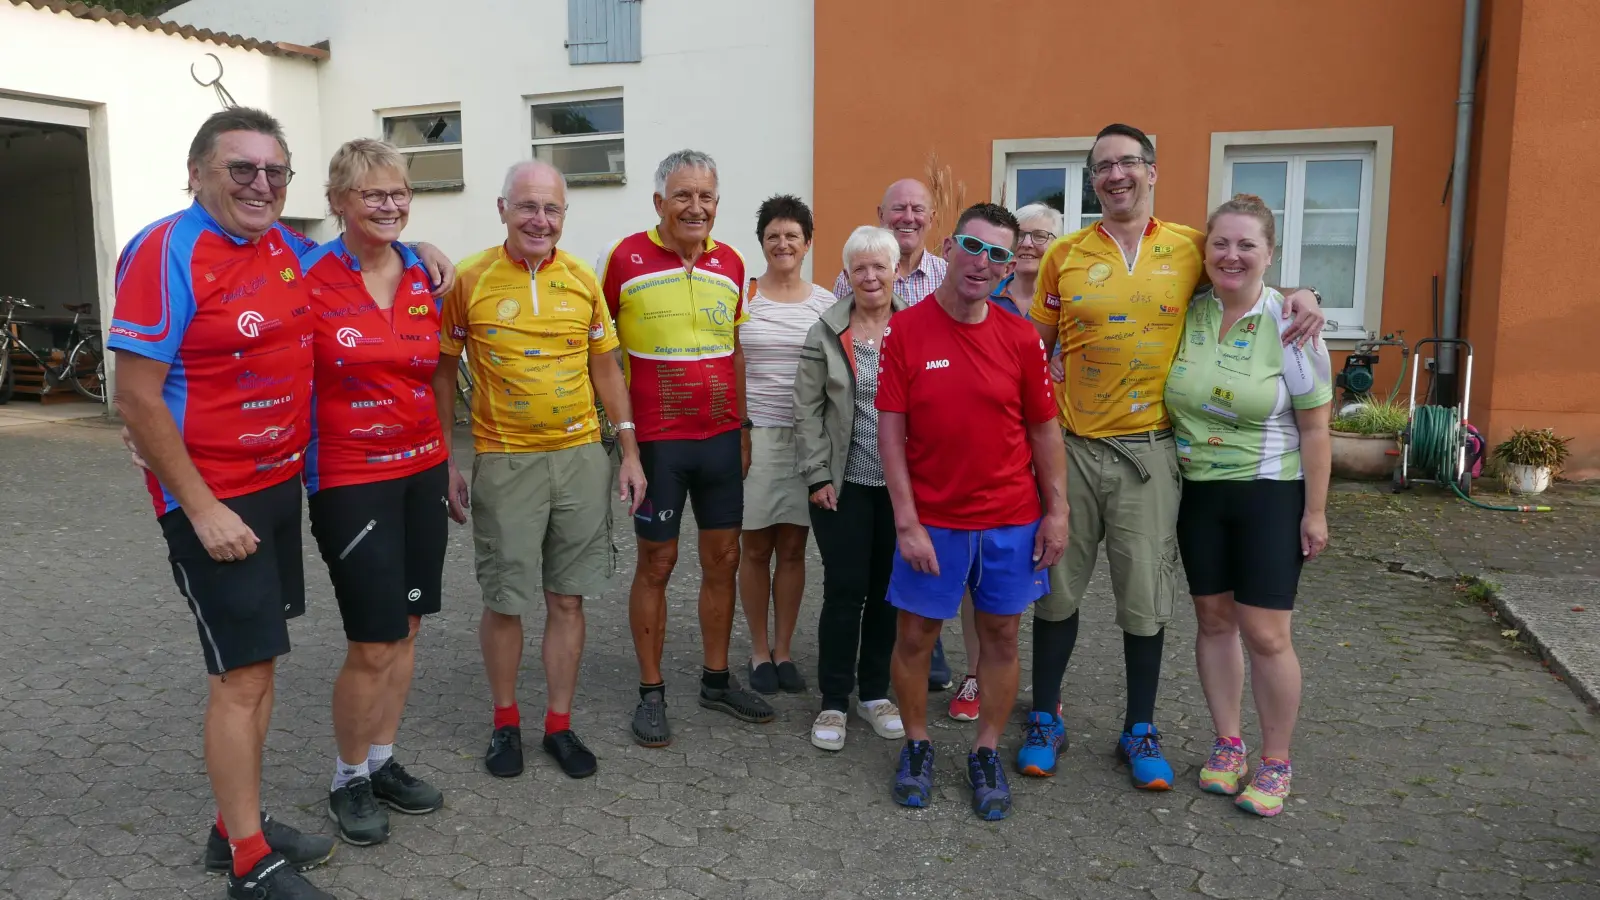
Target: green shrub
<point x="1533" y="447"/>
<point x="1375" y="417"/>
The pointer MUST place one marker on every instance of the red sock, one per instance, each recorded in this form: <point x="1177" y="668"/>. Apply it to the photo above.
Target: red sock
<point x="248" y="852"/>
<point x="221" y="828"/>
<point x="554" y="721"/>
<point x="507" y="715"/>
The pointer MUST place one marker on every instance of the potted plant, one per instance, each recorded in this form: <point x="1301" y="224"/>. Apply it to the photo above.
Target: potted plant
<point x="1365" y="439"/>
<point x="1530" y="456"/>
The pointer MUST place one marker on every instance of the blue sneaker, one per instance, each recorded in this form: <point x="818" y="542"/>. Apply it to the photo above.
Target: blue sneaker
<point x="1141" y="750"/>
<point x="940" y="677"/>
<point x="913" y="782"/>
<point x="1044" y="736"/>
<point x="991" y="796"/>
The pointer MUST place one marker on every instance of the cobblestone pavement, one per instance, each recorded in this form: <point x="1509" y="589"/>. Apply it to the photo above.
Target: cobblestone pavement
<point x="1434" y="759"/>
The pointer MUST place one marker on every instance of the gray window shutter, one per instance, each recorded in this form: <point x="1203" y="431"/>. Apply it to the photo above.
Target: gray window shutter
<point x="602" y="31"/>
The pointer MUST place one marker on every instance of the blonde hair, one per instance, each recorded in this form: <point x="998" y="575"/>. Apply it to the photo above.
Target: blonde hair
<point x="870" y="239"/>
<point x="355" y="160"/>
<point x="1247" y="205"/>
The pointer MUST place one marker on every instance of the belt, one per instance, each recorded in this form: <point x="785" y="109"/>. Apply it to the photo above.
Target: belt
<point x="1118" y="445"/>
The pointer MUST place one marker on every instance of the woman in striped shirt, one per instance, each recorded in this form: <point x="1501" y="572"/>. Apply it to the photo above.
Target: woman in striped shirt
<point x="783" y="307"/>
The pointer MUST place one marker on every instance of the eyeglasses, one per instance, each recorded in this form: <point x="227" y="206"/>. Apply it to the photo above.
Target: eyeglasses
<point x="245" y="173"/>
<point x="975" y="247"/>
<point x="374" y="199"/>
<point x="551" y="211"/>
<point x="1040" y="238"/>
<point x="1126" y="164"/>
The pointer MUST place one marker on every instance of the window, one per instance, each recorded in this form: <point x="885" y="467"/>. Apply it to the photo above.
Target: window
<point x="1330" y="209"/>
<point x="431" y="143"/>
<point x="1052" y="171"/>
<point x="582" y="138"/>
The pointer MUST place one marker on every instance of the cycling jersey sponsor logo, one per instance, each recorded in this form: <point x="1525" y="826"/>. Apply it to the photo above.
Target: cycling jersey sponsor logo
<point x="1155" y="326"/>
<point x="574" y="342"/>
<point x="1053" y="301"/>
<point x="1098" y="273"/>
<point x="265" y="404"/>
<point x="506" y="310"/>
<point x="1136" y="364"/>
<point x="718" y="314"/>
<point x="533" y="351"/>
<point x="1197" y="337"/>
<point x="1165" y="269"/>
<point x="371" y="404"/>
<point x="1125" y="319"/>
<point x="418" y="450"/>
<point x="413" y="337"/>
<point x="597" y="332"/>
<point x="355" y="383"/>
<point x="424" y="362"/>
<point x="250" y="381"/>
<point x="1214" y="441"/>
<point x="1222" y="395"/>
<point x="128" y="333"/>
<point x="419" y="311"/>
<point x="636" y="259"/>
<point x="1090" y="372"/>
<point x="419" y="393"/>
<point x="1138" y="407"/>
<point x="1097" y="362"/>
<point x="275" y="434"/>
<point x="347" y="311"/>
<point x="350" y="337"/>
<point x="936" y="364"/>
<point x="1140" y="297"/>
<point x="1149" y="345"/>
<point x="1119" y="335"/>
<point x="287" y="275"/>
<point x="253" y="324"/>
<point x="1219" y="411"/>
<point x="276" y="461"/>
<point x="374" y="432"/>
<point x="1104" y="348"/>
<point x="1168" y="309"/>
<point x="458" y="332"/>
<point x="1135" y="395"/>
<point x="575" y="426"/>
<point x="1250" y="326"/>
<point x="1161" y="251"/>
<point x="563" y="391"/>
<point x="247" y="289"/>
<point x="418" y="286"/>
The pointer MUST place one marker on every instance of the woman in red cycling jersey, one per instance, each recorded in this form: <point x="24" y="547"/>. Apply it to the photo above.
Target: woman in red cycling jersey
<point x="375" y="474"/>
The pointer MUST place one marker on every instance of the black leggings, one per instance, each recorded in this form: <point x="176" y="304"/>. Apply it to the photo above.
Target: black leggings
<point x="856" y="629"/>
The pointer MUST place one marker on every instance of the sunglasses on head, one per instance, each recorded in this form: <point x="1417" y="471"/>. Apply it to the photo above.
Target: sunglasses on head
<point x="975" y="246"/>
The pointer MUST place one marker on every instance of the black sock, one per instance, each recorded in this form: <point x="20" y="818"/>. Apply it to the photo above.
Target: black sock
<point x="1142" y="657"/>
<point x="646" y="690"/>
<point x="715" y="679"/>
<point x="1052" y="649"/>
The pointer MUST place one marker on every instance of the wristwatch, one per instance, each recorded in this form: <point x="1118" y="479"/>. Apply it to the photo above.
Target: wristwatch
<point x="624" y="426"/>
<point x="746" y="424"/>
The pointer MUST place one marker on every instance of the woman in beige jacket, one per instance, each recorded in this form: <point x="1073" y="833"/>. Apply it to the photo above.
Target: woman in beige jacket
<point x="836" y="438"/>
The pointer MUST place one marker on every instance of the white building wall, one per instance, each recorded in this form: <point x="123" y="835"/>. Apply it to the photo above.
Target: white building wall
<point x="730" y="77"/>
<point x="133" y="90"/>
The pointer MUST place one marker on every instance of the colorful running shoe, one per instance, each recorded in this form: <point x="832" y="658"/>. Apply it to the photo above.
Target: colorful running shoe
<point x="1141" y="749"/>
<point x="1266" y="792"/>
<point x="1222" y="772"/>
<point x="1043" y="738"/>
<point x="913" y="781"/>
<point x="964" y="705"/>
<point x="991" y="796"/>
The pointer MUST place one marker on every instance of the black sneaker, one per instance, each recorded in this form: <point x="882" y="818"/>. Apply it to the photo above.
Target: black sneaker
<point x="303" y="851"/>
<point x="504" y="759"/>
<point x="763" y="678"/>
<point x="650" y="728"/>
<point x="401" y="791"/>
<point x="274" y="878"/>
<point x="737" y="702"/>
<point x="574" y="758"/>
<point x="361" y="821"/>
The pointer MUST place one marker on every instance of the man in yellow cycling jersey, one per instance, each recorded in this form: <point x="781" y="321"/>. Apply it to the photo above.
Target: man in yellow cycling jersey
<point x="677" y="298"/>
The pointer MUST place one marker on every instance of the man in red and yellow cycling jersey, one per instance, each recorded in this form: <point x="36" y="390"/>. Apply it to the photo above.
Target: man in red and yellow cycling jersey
<point x="540" y="347"/>
<point x="677" y="298"/>
<point x="1114" y="295"/>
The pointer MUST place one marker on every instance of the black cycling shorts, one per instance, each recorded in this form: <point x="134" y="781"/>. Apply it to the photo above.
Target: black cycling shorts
<point x="707" y="472"/>
<point x="384" y="545"/>
<point x="242" y="608"/>
<point x="1244" y="537"/>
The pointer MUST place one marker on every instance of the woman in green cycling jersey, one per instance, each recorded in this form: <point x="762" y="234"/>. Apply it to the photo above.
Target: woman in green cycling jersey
<point x="1250" y="416"/>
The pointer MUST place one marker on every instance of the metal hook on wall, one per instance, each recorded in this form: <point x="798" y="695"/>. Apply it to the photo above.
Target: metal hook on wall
<point x="223" y="97"/>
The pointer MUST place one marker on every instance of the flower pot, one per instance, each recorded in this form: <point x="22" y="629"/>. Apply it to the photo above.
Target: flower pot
<point x="1527" y="479"/>
<point x="1365" y="457"/>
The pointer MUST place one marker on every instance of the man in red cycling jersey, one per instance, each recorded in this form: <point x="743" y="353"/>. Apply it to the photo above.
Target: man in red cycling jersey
<point x="677" y="298"/>
<point x="213" y="336"/>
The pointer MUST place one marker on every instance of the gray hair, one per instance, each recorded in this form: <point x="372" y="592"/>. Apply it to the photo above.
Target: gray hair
<point x="683" y="159"/>
<point x="871" y="240"/>
<point x="517" y="168"/>
<point x="1041" y="211"/>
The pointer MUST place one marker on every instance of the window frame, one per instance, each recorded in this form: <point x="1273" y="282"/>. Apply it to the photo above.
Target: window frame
<point x="407" y="112"/>
<point x="1374" y="146"/>
<point x="579" y="179"/>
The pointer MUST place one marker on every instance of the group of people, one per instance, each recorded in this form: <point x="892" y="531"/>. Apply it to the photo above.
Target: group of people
<point x="961" y="429"/>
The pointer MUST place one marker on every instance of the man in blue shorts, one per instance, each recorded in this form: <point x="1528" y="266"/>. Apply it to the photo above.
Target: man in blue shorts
<point x="969" y="446"/>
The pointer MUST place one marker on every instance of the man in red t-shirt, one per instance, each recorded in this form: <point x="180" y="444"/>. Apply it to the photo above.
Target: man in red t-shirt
<point x="967" y="434"/>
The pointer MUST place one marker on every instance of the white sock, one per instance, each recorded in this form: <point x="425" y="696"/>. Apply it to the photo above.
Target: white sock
<point x="344" y="773"/>
<point x="378" y="755"/>
<point x="891" y="723"/>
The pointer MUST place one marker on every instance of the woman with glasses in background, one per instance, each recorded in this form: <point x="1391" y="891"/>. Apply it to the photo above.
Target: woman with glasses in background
<point x="375" y="474"/>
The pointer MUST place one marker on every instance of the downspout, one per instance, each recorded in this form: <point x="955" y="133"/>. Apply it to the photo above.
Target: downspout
<point x="1458" y="203"/>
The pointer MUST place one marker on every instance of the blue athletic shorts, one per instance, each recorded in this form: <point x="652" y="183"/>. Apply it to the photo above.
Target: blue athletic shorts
<point x="996" y="564"/>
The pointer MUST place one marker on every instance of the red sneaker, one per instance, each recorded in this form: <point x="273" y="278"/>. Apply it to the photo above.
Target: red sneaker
<point x="964" y="705"/>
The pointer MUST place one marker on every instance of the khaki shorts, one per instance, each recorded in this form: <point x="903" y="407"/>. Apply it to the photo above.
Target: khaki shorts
<point x="542" y="518"/>
<point x="773" y="491"/>
<point x="1138" y="522"/>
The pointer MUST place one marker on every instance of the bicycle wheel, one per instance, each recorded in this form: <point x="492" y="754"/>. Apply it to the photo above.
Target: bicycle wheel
<point x="86" y="369"/>
<point x="6" y="373"/>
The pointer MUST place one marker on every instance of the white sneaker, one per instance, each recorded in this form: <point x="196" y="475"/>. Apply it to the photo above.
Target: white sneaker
<point x="884" y="717"/>
<point x="827" y="732"/>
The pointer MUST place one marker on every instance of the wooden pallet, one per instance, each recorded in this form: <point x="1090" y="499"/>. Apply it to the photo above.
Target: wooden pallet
<point x="28" y="382"/>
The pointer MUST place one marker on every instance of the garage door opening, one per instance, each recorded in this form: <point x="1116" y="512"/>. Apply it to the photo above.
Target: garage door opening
<point x="47" y="261"/>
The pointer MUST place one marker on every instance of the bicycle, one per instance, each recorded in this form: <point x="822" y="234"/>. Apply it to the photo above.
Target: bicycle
<point x="83" y="367"/>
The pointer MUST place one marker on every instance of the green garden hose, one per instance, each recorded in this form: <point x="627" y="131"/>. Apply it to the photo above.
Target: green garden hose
<point x="1435" y="442"/>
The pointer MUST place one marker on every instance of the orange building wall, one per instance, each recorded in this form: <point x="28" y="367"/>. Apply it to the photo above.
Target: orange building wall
<point x="1546" y="370"/>
<point x="1186" y="70"/>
